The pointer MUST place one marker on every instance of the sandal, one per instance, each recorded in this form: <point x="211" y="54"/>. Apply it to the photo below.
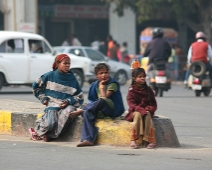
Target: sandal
<point x="33" y="135"/>
<point x="134" y="146"/>
<point x="46" y="138"/>
<point x="151" y="146"/>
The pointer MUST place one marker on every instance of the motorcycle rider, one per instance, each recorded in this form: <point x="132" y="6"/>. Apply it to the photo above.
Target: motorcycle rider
<point x="200" y="50"/>
<point x="157" y="48"/>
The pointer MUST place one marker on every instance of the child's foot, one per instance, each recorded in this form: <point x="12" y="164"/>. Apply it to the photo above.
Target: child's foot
<point x="75" y="113"/>
<point x="133" y="145"/>
<point x="151" y="146"/>
<point x="46" y="138"/>
<point x="85" y="143"/>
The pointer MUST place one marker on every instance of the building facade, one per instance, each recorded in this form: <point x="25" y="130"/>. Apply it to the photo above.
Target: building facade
<point x="56" y="20"/>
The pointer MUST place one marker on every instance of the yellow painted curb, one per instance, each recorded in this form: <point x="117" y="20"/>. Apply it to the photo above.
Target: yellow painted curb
<point x="5" y="122"/>
<point x="114" y="132"/>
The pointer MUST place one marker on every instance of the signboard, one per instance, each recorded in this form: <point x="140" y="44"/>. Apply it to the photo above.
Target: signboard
<point x="81" y="11"/>
<point x="26" y="27"/>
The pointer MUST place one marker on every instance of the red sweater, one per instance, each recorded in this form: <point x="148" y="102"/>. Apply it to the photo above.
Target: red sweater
<point x="139" y="101"/>
<point x="199" y="51"/>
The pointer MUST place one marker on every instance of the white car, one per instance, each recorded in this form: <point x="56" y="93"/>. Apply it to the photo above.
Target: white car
<point x="119" y="71"/>
<point x="24" y="57"/>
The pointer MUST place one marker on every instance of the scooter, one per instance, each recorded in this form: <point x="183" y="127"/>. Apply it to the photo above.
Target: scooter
<point x="158" y="78"/>
<point x="199" y="79"/>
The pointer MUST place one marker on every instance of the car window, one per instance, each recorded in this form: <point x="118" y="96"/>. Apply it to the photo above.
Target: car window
<point x="94" y="55"/>
<point x="46" y="48"/>
<point x="59" y="50"/>
<point x="12" y="46"/>
<point x="77" y="52"/>
<point x="38" y="46"/>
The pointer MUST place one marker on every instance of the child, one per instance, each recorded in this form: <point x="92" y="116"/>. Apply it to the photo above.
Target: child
<point x="61" y="93"/>
<point x="142" y="105"/>
<point x="104" y="97"/>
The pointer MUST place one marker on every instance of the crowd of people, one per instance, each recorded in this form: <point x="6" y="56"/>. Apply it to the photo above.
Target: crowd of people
<point x="110" y="47"/>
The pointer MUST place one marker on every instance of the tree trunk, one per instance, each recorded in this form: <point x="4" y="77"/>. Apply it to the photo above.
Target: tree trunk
<point x="206" y="22"/>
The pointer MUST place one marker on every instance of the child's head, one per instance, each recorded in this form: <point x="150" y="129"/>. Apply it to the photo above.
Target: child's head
<point x="62" y="62"/>
<point x="138" y="76"/>
<point x="102" y="71"/>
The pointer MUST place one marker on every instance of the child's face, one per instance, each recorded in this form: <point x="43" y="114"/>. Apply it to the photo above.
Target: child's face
<point x="64" y="65"/>
<point x="103" y="75"/>
<point x="140" y="79"/>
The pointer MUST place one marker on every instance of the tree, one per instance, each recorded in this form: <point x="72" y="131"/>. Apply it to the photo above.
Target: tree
<point x="196" y="14"/>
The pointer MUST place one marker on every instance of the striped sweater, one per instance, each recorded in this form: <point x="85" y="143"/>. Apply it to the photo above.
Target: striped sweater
<point x="56" y="87"/>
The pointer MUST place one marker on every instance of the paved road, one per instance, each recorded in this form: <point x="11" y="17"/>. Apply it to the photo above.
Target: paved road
<point x="190" y="115"/>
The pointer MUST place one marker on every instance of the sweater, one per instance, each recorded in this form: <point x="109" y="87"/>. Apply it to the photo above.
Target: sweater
<point x="116" y="97"/>
<point x="57" y="87"/>
<point x="140" y="101"/>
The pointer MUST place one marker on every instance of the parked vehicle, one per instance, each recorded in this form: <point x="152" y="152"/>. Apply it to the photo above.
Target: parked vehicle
<point x="158" y="79"/>
<point x="119" y="71"/>
<point x="199" y="79"/>
<point x="24" y="57"/>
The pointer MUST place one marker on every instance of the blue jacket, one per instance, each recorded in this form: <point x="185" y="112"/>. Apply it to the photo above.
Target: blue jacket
<point x="116" y="97"/>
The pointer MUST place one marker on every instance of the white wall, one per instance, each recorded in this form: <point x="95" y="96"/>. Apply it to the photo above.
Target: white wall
<point x="18" y="12"/>
<point x="123" y="28"/>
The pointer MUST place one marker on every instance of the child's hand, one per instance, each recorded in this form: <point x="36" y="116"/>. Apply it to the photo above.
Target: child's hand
<point x="63" y="104"/>
<point x="45" y="102"/>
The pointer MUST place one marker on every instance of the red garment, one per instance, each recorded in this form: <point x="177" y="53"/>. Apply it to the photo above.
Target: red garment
<point x="199" y="51"/>
<point x="58" y="59"/>
<point x="139" y="101"/>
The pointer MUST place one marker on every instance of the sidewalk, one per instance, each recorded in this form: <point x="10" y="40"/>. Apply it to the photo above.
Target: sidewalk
<point x="16" y="117"/>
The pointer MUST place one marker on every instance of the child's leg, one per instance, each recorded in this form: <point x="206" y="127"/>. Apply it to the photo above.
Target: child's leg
<point x="149" y="130"/>
<point x="137" y="129"/>
<point x="89" y="131"/>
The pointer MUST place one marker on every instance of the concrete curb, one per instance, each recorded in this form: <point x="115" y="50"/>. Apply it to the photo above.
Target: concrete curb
<point x="111" y="132"/>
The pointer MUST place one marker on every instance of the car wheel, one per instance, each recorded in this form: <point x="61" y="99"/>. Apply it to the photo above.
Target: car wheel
<point x="197" y="68"/>
<point x="121" y="77"/>
<point x="1" y="81"/>
<point x="79" y="76"/>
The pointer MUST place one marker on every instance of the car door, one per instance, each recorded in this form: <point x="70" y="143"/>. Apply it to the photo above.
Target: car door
<point x="95" y="56"/>
<point x="14" y="60"/>
<point x="41" y="58"/>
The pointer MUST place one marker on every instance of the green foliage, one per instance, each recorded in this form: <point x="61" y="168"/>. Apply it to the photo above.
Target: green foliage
<point x="158" y="9"/>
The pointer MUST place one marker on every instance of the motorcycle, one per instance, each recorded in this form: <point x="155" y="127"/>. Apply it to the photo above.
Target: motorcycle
<point x="199" y="79"/>
<point x="158" y="78"/>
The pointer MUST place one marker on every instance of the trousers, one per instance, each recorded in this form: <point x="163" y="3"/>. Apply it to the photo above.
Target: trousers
<point x="89" y="130"/>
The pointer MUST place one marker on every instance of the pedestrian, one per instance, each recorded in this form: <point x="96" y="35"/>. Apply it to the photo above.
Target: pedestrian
<point x="75" y="41"/>
<point x="66" y="42"/>
<point x="114" y="52"/>
<point x="124" y="52"/>
<point x="142" y="106"/>
<point x="105" y="100"/>
<point x="102" y="48"/>
<point x="96" y="43"/>
<point x="110" y="44"/>
<point x="62" y="95"/>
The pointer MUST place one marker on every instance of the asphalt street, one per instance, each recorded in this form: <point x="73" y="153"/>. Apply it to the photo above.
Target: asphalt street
<point x="190" y="115"/>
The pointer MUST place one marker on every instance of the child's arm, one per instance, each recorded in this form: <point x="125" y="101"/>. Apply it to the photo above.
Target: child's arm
<point x="106" y="92"/>
<point x="133" y="106"/>
<point x="38" y="90"/>
<point x="153" y="104"/>
<point x="77" y="99"/>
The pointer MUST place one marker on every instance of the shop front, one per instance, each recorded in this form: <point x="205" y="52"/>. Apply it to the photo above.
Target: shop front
<point x="58" y="21"/>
